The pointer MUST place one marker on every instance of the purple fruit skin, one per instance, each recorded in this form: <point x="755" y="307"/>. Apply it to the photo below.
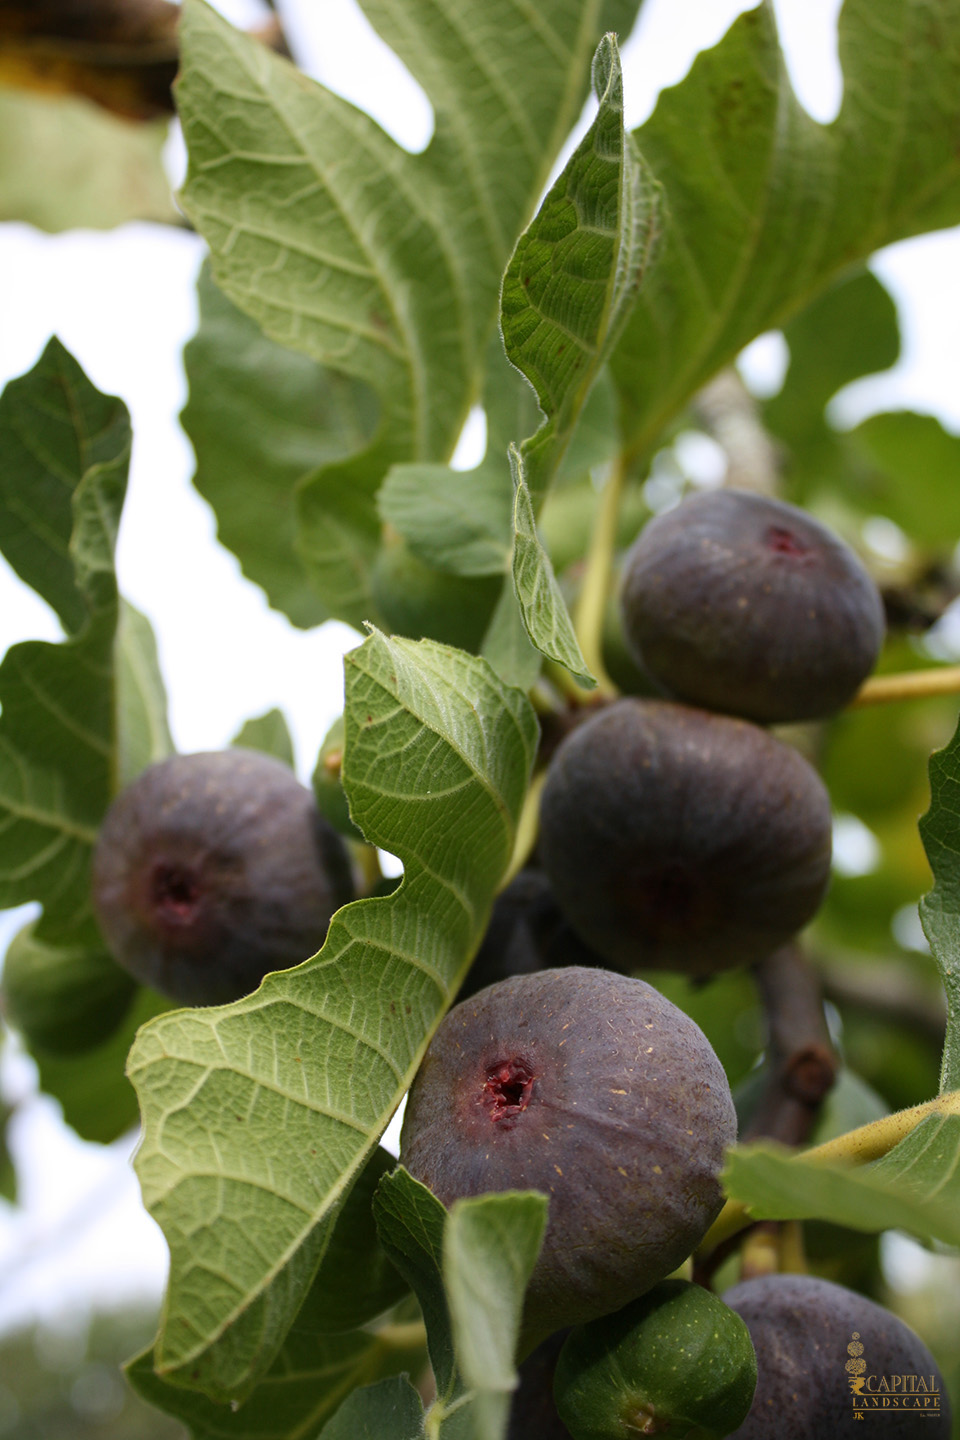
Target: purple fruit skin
<point x="683" y="840"/>
<point x="800" y="1327"/>
<point x="747" y="605"/>
<point x="623" y="1122"/>
<point x="212" y="870"/>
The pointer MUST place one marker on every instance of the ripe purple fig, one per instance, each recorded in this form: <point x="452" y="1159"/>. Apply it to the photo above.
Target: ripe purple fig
<point x="684" y="840"/>
<point x="827" y="1356"/>
<point x="212" y="870"/>
<point x="744" y="604"/>
<point x="597" y="1091"/>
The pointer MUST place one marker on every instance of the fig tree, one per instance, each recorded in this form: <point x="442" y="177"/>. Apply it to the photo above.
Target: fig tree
<point x="740" y="603"/>
<point x="684" y="840"/>
<point x="826" y="1355"/>
<point x="212" y="870"/>
<point x="595" y="1090"/>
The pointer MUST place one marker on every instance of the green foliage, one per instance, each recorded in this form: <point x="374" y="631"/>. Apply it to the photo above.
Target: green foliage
<point x="763" y="207"/>
<point x="64" y="451"/>
<point x="915" y="1187"/>
<point x="390" y="1407"/>
<point x="940" y="910"/>
<point x="348" y="323"/>
<point x="261" y="417"/>
<point x="387" y="268"/>
<point x="436" y="751"/>
<point x="268" y="733"/>
<point x="64" y="162"/>
<point x="567" y="292"/>
<point x="469" y="1269"/>
<point x="63" y="998"/>
<point x="310" y="1378"/>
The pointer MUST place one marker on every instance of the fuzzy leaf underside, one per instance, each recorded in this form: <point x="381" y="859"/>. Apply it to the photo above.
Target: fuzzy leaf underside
<point x="260" y="417"/>
<point x="566" y="295"/>
<point x="259" y="1115"/>
<point x="764" y="207"/>
<point x="311" y="1378"/>
<point x="469" y="1268"/>
<point x="390" y="1407"/>
<point x="940" y="909"/>
<point x="81" y="717"/>
<point x="916" y="1187"/>
<point x="66" y="164"/>
<point x="321" y="1360"/>
<point x="382" y="265"/>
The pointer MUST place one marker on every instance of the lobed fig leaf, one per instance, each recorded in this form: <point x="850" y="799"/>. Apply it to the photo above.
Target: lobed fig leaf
<point x="259" y="1116"/>
<point x="567" y="292"/>
<point x="763" y="207"/>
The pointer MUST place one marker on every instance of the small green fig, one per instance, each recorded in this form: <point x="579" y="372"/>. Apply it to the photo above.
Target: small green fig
<point x="64" y="999"/>
<point x="327" y="790"/>
<point x="677" y="1362"/>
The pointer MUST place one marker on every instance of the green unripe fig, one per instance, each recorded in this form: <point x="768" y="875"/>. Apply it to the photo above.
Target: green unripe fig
<point x="740" y="603"/>
<point x="64" y="999"/>
<point x="677" y="1362"/>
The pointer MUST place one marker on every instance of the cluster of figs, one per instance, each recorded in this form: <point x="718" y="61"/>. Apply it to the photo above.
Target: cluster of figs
<point x="676" y="833"/>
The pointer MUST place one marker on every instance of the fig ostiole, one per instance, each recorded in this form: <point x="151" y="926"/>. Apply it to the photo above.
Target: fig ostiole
<point x="595" y="1090"/>
<point x="213" y="869"/>
<point x="741" y="603"/>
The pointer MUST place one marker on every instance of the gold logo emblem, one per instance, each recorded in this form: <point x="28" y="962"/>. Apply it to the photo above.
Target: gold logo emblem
<point x="856" y="1367"/>
<point x="887" y="1392"/>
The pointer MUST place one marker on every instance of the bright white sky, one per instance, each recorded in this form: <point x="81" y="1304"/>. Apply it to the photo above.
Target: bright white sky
<point x="123" y="303"/>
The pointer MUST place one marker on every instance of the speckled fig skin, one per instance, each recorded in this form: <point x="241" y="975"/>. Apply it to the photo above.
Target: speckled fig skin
<point x="800" y="1327"/>
<point x="744" y="604"/>
<point x="212" y="870"/>
<point x="682" y="840"/>
<point x="594" y="1089"/>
